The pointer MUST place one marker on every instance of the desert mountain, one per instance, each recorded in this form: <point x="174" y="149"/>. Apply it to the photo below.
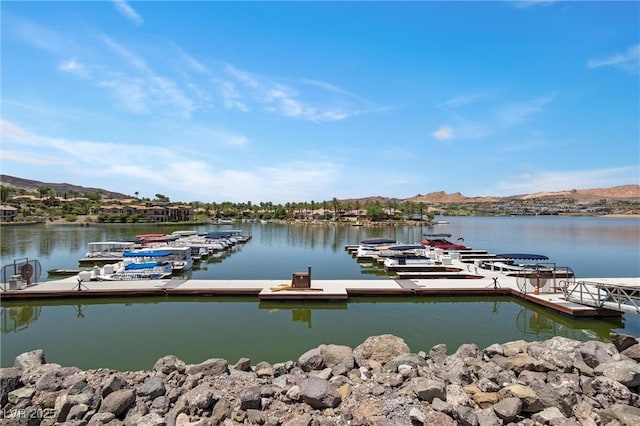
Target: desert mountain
<point x="60" y="188"/>
<point x="624" y="192"/>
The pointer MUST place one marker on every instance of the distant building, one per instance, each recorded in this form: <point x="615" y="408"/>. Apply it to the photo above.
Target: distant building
<point x="8" y="213"/>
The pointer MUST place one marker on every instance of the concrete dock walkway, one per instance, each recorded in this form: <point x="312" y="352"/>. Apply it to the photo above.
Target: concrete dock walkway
<point x="490" y="283"/>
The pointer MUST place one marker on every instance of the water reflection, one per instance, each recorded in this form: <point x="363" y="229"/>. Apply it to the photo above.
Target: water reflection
<point x="18" y="318"/>
<point x="197" y="328"/>
<point x="300" y="311"/>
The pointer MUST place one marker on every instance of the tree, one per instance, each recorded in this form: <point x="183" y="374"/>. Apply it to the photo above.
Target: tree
<point x="162" y="198"/>
<point x="136" y="194"/>
<point x="375" y="212"/>
<point x="6" y="192"/>
<point x="43" y="190"/>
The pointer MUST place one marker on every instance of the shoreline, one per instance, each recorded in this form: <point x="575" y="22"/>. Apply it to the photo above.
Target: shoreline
<point x="84" y="222"/>
<point x="382" y="381"/>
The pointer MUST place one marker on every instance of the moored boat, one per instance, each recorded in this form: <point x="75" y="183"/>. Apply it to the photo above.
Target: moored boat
<point x="133" y="268"/>
<point x="441" y="241"/>
<point x="101" y="252"/>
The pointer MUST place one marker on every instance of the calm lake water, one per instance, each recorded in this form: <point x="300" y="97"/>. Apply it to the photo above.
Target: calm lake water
<point x="133" y="333"/>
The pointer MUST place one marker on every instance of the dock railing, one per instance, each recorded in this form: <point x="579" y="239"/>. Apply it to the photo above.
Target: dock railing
<point x="604" y="295"/>
<point x="545" y="278"/>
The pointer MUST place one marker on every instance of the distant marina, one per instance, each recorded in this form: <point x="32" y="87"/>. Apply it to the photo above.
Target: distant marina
<point x="594" y="247"/>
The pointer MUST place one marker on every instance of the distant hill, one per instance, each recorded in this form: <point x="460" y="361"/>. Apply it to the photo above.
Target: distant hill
<point x="60" y="188"/>
<point x="624" y="192"/>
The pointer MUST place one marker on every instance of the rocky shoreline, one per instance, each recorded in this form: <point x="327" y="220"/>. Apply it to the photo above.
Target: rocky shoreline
<point x="559" y="382"/>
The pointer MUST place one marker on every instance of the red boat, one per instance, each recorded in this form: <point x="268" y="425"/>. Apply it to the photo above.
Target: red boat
<point x="441" y="241"/>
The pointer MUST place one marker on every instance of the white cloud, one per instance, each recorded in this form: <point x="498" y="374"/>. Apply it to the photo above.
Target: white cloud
<point x="124" y="163"/>
<point x="329" y="104"/>
<point x="523" y="4"/>
<point x="127" y="11"/>
<point x="629" y="61"/>
<point x="33" y="158"/>
<point x="443" y="133"/>
<point x="518" y="113"/>
<point x="141" y="89"/>
<point x="461" y="100"/>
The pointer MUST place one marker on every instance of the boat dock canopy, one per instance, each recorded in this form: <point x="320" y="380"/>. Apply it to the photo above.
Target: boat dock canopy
<point x="373" y="241"/>
<point x="146" y="253"/>
<point x="523" y="256"/>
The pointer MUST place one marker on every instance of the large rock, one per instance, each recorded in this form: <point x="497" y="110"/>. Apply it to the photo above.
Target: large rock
<point x="118" y="402"/>
<point x="625" y="414"/>
<point x="428" y="389"/>
<point x="632" y="352"/>
<point x="560" y="352"/>
<point x="623" y="341"/>
<point x="168" y="364"/>
<point x="530" y="400"/>
<point x="210" y="367"/>
<point x="413" y="360"/>
<point x="311" y="360"/>
<point x="381" y="349"/>
<point x="508" y="408"/>
<point x="9" y="381"/>
<point x="334" y="355"/>
<point x="53" y="380"/>
<point x="608" y="392"/>
<point x="319" y="394"/>
<point x="197" y="400"/>
<point x="626" y="372"/>
<point x="250" y="398"/>
<point x="595" y="353"/>
<point x="29" y="359"/>
<point x="153" y="387"/>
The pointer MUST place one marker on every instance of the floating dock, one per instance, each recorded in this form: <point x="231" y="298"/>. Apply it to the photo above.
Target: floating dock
<point x="454" y="274"/>
<point x="328" y="290"/>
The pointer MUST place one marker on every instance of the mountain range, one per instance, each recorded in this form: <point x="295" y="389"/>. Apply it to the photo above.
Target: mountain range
<point x="623" y="192"/>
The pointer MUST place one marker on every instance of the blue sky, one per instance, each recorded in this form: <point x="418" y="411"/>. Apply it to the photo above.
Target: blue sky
<point x="306" y="101"/>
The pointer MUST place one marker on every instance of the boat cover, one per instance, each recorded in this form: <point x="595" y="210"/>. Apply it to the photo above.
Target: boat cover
<point x="374" y="241"/>
<point x="149" y="253"/>
<point x="138" y="266"/>
<point x="406" y="247"/>
<point x="523" y="256"/>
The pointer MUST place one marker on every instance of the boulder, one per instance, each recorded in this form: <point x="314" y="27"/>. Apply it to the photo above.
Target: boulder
<point x="53" y="380"/>
<point x="311" y="360"/>
<point x="153" y="387"/>
<point x="250" y="398"/>
<point x="334" y="355"/>
<point x="381" y="349"/>
<point x="428" y="389"/>
<point x="210" y="367"/>
<point x="413" y="360"/>
<point x="508" y="408"/>
<point x="118" y="402"/>
<point x="9" y="381"/>
<point x="197" y="400"/>
<point x="169" y="364"/>
<point x="626" y="372"/>
<point x="530" y="399"/>
<point x="319" y="394"/>
<point x="29" y="359"/>
<point x="243" y="364"/>
<point x="623" y="341"/>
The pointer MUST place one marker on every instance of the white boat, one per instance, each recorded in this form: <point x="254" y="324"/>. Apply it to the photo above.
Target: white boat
<point x="179" y="257"/>
<point x="408" y="263"/>
<point x="133" y="268"/>
<point x="371" y="247"/>
<point x="107" y="251"/>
